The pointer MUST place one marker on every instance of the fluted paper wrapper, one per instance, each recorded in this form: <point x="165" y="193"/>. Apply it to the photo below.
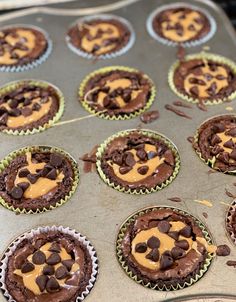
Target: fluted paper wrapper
<point x="146" y="284"/>
<point x="103" y="114"/>
<point x="8" y="159"/>
<point x="44" y="229"/>
<point x="149" y="133"/>
<point x="229" y="219"/>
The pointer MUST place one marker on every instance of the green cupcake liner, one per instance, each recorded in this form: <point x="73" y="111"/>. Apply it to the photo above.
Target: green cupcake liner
<point x="15" y="85"/>
<point x="210" y="162"/>
<point x="134" y="277"/>
<point x="7" y="160"/>
<point x="102" y="114"/>
<point x="228" y="221"/>
<point x="149" y="133"/>
<point x="207" y="56"/>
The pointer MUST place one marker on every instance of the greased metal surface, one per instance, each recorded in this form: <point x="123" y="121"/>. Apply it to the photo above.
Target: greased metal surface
<point x="95" y="209"/>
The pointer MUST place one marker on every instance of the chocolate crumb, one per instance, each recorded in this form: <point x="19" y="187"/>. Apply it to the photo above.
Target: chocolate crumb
<point x="177" y="112"/>
<point x="211" y="171"/>
<point x="231" y="263"/>
<point x="89" y="160"/>
<point x="201" y="106"/>
<point x="181" y="53"/>
<point x="190" y="139"/>
<point x="175" y="199"/>
<point x="229" y="194"/>
<point x="150" y="116"/>
<point x="223" y="250"/>
<point x="205" y="215"/>
<point x="182" y="104"/>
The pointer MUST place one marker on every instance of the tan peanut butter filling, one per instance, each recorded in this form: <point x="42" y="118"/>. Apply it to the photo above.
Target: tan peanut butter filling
<point x="167" y="243"/>
<point x="119" y="83"/>
<point x="20" y="121"/>
<point x="202" y="89"/>
<point x="43" y="185"/>
<point x="176" y="18"/>
<point x="29" y="278"/>
<point x="133" y="175"/>
<point x="109" y="31"/>
<point x="24" y="36"/>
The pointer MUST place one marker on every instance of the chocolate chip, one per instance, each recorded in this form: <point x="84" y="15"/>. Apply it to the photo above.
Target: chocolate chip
<point x="27" y="102"/>
<point x="215" y="140"/>
<point x="141" y="153"/>
<point x="23" y="172"/>
<point x="36" y="107"/>
<point x="124" y="170"/>
<point x="223" y="250"/>
<point x="23" y="185"/>
<point x="44" y="172"/>
<point x="224" y="157"/>
<point x="55" y="160"/>
<point x="208" y="76"/>
<point x="44" y="100"/>
<point x="127" y="95"/>
<point x="169" y="158"/>
<point x="143" y="170"/>
<point x="32" y="178"/>
<point x="174" y="234"/>
<point x="197" y="81"/>
<point x="52" y="285"/>
<point x="55" y="247"/>
<point x="129" y="159"/>
<point x="231" y="132"/>
<point x="233" y="154"/>
<point x="186" y="231"/>
<point x="14" y="112"/>
<point x="3" y="119"/>
<point x="39" y="257"/>
<point x="27" y="267"/>
<point x="164" y="226"/>
<point x="153" y="255"/>
<point x="218" y="128"/>
<point x="212" y="89"/>
<point x="106" y="101"/>
<point x="117" y="159"/>
<point x="183" y="244"/>
<point x="141" y="247"/>
<point x="13" y="103"/>
<point x="191" y="27"/>
<point x="177" y="252"/>
<point x="68" y="263"/>
<point x="16" y="193"/>
<point x="220" y="77"/>
<point x="41" y="282"/>
<point x="151" y="154"/>
<point x="48" y="270"/>
<point x="229" y="144"/>
<point x="52" y="174"/>
<point x="153" y="242"/>
<point x="53" y="259"/>
<point x="194" y="90"/>
<point x="166" y="262"/>
<point x="61" y="272"/>
<point x="150" y="116"/>
<point x="216" y="150"/>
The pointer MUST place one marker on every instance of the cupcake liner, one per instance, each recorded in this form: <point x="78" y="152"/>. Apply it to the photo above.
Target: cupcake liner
<point x="134" y="277"/>
<point x="152" y="134"/>
<point x="7" y="160"/>
<point x="117" y="117"/>
<point x="208" y="56"/>
<point x="16" y="84"/>
<point x="44" y="229"/>
<point x="154" y="35"/>
<point x="36" y="62"/>
<point x="104" y="17"/>
<point x="210" y="162"/>
<point x="228" y="221"/>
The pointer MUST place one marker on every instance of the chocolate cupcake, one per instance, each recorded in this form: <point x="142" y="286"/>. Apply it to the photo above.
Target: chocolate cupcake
<point x="138" y="161"/>
<point x="231" y="222"/>
<point x="37" y="179"/>
<point x="164" y="248"/>
<point x="117" y="92"/>
<point x="23" y="47"/>
<point x="100" y="36"/>
<point x="204" y="78"/>
<point x="48" y="264"/>
<point x="215" y="143"/>
<point x="29" y="106"/>
<point x="183" y="24"/>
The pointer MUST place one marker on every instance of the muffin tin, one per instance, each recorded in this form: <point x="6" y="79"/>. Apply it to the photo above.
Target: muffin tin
<point x="96" y="210"/>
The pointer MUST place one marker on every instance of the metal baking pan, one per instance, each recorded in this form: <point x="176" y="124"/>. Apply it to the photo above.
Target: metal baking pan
<point x="97" y="210"/>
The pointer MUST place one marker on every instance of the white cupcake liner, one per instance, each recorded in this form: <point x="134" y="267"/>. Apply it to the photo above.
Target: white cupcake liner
<point x="104" y="17"/>
<point x="228" y="221"/>
<point x="34" y="63"/>
<point x="65" y="230"/>
<point x="193" y="43"/>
